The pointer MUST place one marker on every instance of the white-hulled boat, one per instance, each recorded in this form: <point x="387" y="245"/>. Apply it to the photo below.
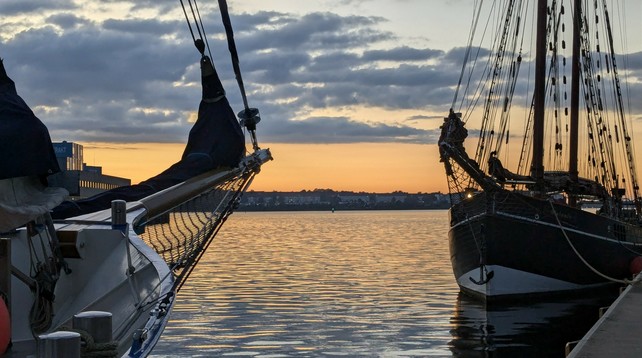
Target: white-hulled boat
<point x="98" y="276"/>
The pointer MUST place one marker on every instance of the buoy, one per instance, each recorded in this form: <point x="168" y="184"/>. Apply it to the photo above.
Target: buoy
<point x="636" y="265"/>
<point x="5" y="327"/>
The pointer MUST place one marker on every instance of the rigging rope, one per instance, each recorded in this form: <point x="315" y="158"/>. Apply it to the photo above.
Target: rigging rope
<point x="249" y="116"/>
<point x="605" y="149"/>
<point x="468" y="48"/>
<point x="200" y="45"/>
<point x="231" y="45"/>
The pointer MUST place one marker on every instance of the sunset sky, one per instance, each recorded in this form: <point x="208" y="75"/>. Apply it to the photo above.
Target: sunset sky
<point x="351" y="93"/>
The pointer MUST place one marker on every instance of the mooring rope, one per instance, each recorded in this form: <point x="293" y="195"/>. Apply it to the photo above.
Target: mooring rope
<point x="625" y="281"/>
<point x="91" y="348"/>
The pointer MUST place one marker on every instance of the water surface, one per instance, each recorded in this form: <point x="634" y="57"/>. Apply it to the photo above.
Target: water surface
<point x="351" y="284"/>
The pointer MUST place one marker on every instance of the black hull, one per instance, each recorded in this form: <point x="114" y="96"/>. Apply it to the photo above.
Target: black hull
<point x="509" y="245"/>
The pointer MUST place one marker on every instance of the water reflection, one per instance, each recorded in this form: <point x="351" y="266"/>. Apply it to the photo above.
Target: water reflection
<point x="317" y="285"/>
<point x="526" y="329"/>
<point x="350" y="284"/>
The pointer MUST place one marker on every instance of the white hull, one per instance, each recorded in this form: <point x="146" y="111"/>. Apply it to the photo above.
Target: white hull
<point x="130" y="265"/>
<point x="507" y="281"/>
<point x="115" y="273"/>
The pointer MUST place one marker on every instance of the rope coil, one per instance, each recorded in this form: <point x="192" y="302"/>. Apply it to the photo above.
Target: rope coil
<point x="91" y="348"/>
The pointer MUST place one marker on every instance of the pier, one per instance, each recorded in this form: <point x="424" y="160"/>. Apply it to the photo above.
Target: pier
<point x="617" y="332"/>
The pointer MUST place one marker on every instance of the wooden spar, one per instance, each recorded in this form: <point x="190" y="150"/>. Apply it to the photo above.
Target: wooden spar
<point x="537" y="164"/>
<point x="575" y="95"/>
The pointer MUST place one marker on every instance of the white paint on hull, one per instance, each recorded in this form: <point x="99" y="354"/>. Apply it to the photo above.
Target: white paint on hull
<point x="507" y="281"/>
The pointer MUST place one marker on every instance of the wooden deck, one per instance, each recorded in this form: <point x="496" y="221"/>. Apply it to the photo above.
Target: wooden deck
<point x="618" y="333"/>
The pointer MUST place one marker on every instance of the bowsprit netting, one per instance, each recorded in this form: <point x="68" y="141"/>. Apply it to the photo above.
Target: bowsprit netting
<point x="181" y="231"/>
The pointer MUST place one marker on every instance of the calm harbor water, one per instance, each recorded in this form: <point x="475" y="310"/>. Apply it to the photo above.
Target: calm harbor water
<point x="352" y="284"/>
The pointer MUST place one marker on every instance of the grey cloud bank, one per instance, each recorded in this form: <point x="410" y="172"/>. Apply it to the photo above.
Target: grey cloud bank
<point x="137" y="79"/>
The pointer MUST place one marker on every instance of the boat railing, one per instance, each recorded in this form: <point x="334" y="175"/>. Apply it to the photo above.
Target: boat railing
<point x="180" y="222"/>
<point x="484" y="202"/>
<point x="469" y="205"/>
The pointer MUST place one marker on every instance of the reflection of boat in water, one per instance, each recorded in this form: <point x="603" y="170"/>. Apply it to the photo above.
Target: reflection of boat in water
<point x="522" y="329"/>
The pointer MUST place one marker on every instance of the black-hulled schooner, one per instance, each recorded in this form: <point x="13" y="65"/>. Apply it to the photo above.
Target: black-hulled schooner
<point x="566" y="217"/>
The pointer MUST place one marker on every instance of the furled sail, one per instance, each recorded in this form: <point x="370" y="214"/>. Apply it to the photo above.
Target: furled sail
<point x="24" y="140"/>
<point x="27" y="159"/>
<point x="215" y="140"/>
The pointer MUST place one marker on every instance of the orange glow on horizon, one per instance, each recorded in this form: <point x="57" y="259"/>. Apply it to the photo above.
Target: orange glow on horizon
<point x="367" y="167"/>
<point x="132" y="161"/>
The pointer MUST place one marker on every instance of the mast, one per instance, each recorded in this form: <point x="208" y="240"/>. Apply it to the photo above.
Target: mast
<point x="537" y="164"/>
<point x="575" y="96"/>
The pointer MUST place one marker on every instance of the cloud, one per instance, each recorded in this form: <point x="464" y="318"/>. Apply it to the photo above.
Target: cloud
<point x="17" y="7"/>
<point x="136" y="79"/>
<point x="402" y="54"/>
<point x="341" y="130"/>
<point x="421" y="117"/>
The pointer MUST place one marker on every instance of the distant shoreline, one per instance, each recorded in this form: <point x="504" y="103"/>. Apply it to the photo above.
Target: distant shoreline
<point x="328" y="200"/>
<point x="294" y="208"/>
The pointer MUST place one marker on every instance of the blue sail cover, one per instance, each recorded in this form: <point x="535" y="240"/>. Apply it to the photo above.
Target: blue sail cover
<point x="215" y="140"/>
<point x="25" y="145"/>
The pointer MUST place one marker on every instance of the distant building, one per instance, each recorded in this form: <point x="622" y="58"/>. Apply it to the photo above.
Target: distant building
<point x="69" y="155"/>
<point x="80" y="179"/>
<point x="327" y="199"/>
